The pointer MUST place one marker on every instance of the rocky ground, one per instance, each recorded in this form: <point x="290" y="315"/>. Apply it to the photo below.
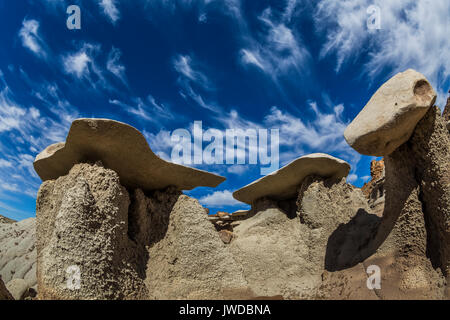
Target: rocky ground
<point x="309" y="234"/>
<point x="6" y="220"/>
<point x="18" y="257"/>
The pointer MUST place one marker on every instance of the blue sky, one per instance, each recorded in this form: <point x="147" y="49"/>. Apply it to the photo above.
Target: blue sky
<point x="303" y="67"/>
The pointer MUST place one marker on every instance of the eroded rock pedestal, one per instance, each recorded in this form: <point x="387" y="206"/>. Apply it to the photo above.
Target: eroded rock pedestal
<point x="82" y="226"/>
<point x="411" y="243"/>
<point x="284" y="247"/>
<point x="314" y="238"/>
<point x="123" y="245"/>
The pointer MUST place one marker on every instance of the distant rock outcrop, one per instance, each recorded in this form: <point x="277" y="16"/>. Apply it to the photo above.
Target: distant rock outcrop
<point x="374" y="189"/>
<point x="6" y="220"/>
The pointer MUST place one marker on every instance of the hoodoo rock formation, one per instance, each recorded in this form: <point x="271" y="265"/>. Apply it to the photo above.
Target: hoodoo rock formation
<point x="285" y="247"/>
<point x="411" y="243"/>
<point x="125" y="242"/>
<point x="123" y="149"/>
<point x="112" y="221"/>
<point x="389" y="118"/>
<point x="283" y="183"/>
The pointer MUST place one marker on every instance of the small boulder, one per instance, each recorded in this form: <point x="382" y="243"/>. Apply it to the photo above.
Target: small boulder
<point x="226" y="236"/>
<point x="18" y="288"/>
<point x="283" y="183"/>
<point x="390" y="116"/>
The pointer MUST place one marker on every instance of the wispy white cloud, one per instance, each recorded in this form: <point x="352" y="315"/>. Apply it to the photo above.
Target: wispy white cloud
<point x="5" y="163"/>
<point x="23" y="126"/>
<point x="352" y="178"/>
<point x="321" y="131"/>
<point x="250" y="57"/>
<point x="219" y="198"/>
<point x="190" y="76"/>
<point x="277" y="50"/>
<point x="160" y="143"/>
<point x="29" y="34"/>
<point x="109" y="8"/>
<point x="148" y="110"/>
<point x="188" y="92"/>
<point x="83" y="64"/>
<point x="413" y="34"/>
<point x="183" y="64"/>
<point x="139" y="109"/>
<point x="237" y="169"/>
<point x="77" y="64"/>
<point x="114" y="66"/>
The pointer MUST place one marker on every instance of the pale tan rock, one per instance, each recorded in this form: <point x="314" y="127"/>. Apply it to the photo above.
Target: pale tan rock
<point x="347" y="284"/>
<point x="285" y="253"/>
<point x="226" y="236"/>
<point x="123" y="149"/>
<point x="410" y="243"/>
<point x="83" y="248"/>
<point x="283" y="183"/>
<point x="240" y="213"/>
<point x="18" y="288"/>
<point x="389" y="118"/>
<point x="188" y="260"/>
<point x="17" y="251"/>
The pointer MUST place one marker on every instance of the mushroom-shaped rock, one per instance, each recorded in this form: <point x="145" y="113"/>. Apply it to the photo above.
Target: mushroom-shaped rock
<point x="389" y="118"/>
<point x="283" y="183"/>
<point x="122" y="148"/>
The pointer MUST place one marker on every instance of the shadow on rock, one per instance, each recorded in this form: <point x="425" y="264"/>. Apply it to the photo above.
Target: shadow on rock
<point x="345" y="243"/>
